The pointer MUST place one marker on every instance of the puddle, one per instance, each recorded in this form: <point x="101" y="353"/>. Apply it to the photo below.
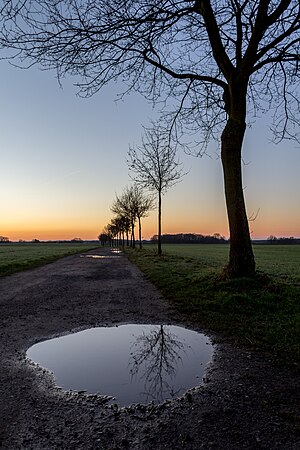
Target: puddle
<point x="95" y="256"/>
<point x="132" y="363"/>
<point x="114" y="254"/>
<point x="100" y="256"/>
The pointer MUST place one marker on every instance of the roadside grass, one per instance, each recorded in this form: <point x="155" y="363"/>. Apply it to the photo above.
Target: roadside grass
<point x="17" y="257"/>
<point x="261" y="313"/>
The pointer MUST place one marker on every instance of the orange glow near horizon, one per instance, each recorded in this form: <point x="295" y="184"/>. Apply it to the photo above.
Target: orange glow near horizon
<point x="56" y="230"/>
<point x="47" y="230"/>
<point x="51" y="235"/>
<point x="86" y="221"/>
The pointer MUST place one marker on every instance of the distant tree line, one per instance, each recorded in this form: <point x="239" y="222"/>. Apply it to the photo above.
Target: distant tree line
<point x="190" y="238"/>
<point x="283" y="240"/>
<point x="4" y="239"/>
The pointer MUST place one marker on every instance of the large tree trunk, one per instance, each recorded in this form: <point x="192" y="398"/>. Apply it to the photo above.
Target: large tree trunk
<point x="159" y="224"/>
<point x="241" y="259"/>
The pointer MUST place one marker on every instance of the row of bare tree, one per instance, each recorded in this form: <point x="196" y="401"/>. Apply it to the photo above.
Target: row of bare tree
<point x="129" y="207"/>
<point x="154" y="168"/>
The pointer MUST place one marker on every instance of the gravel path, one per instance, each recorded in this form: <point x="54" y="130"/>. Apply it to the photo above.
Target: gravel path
<point x="243" y="403"/>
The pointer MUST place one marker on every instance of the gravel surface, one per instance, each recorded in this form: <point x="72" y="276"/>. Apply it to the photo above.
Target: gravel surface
<point x="244" y="401"/>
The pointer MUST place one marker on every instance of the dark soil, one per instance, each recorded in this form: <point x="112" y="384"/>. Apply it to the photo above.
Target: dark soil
<point x="245" y="402"/>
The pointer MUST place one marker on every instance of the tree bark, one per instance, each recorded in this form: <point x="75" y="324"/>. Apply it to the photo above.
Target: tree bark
<point x="132" y="235"/>
<point x="159" y="224"/>
<point x="241" y="258"/>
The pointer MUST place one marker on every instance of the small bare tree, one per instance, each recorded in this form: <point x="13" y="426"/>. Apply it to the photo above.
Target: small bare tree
<point x="154" y="166"/>
<point x="143" y="203"/>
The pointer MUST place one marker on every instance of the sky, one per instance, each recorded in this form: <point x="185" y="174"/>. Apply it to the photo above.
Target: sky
<point x="63" y="160"/>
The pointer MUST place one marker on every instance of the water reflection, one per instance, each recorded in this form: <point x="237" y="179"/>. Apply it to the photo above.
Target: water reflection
<point x="154" y="359"/>
<point x="133" y="363"/>
<point x="100" y="256"/>
<point x="114" y="253"/>
<point x="94" y="256"/>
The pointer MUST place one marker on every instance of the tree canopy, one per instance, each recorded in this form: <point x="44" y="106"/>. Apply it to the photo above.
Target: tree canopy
<point x="189" y="50"/>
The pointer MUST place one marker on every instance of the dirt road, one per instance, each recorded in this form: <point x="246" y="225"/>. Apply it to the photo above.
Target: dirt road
<point x="244" y="403"/>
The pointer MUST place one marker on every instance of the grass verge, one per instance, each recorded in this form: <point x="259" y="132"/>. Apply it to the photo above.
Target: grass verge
<point x="262" y="313"/>
<point x="18" y="257"/>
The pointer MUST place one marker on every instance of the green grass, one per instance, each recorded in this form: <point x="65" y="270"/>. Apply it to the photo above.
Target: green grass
<point x="281" y="261"/>
<point x="17" y="257"/>
<point x="262" y="313"/>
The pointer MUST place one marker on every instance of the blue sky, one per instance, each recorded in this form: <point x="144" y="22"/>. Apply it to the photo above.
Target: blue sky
<point x="64" y="158"/>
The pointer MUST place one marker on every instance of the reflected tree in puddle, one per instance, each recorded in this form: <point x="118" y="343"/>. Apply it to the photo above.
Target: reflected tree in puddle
<point x="132" y="363"/>
<point x="155" y="357"/>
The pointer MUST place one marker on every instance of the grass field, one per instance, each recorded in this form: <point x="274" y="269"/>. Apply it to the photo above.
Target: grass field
<point x="262" y="313"/>
<point x="281" y="261"/>
<point x="16" y="257"/>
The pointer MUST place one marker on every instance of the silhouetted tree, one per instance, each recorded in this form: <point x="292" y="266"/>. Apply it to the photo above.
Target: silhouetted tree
<point x="217" y="61"/>
<point x="123" y="206"/>
<point x="106" y="232"/>
<point x="143" y="204"/>
<point x="133" y="204"/>
<point x="111" y="231"/>
<point x="103" y="238"/>
<point x="155" y="167"/>
<point x="272" y="238"/>
<point x="76" y="239"/>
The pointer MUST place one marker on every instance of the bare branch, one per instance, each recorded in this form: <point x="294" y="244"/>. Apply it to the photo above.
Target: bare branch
<point x="204" y="8"/>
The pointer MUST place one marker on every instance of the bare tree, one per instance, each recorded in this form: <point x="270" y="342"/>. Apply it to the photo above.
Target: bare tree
<point x="143" y="204"/>
<point x="107" y="232"/>
<point x="112" y="232"/>
<point x="122" y="224"/>
<point x="154" y="166"/>
<point x="133" y="204"/>
<point x="123" y="207"/>
<point x="103" y="238"/>
<point x="118" y="223"/>
<point x="217" y="61"/>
